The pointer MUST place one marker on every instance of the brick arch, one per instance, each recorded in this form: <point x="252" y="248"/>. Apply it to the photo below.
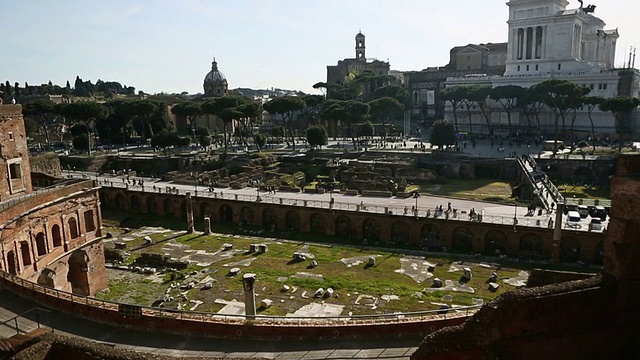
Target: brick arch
<point x="371" y="229"/>
<point x="120" y="201"/>
<point x="569" y="249"/>
<point x="495" y="243"/>
<point x="134" y="202"/>
<point x="462" y="240"/>
<point x="430" y="237"/>
<point x="41" y="244"/>
<point x="47" y="277"/>
<point x="598" y="254"/>
<point x="12" y="263"/>
<point x="317" y="223"/>
<point x="400" y="232"/>
<point x="168" y="206"/>
<point x="78" y="272"/>
<point x="225" y="213"/>
<point x="269" y="218"/>
<point x="25" y="253"/>
<point x="344" y="226"/>
<point x="151" y="204"/>
<point x="57" y="237"/>
<point x="293" y="220"/>
<point x="247" y="215"/>
<point x="206" y="209"/>
<point x="73" y="226"/>
<point x="531" y="246"/>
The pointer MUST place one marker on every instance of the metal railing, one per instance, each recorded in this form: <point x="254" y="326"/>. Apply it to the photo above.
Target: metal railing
<point x="353" y="320"/>
<point x="38" y="315"/>
<point x="14" y="201"/>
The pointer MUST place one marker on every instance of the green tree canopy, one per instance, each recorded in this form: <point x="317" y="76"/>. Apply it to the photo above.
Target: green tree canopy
<point x="443" y="134"/>
<point x="621" y="107"/>
<point x="286" y="106"/>
<point x="317" y="137"/>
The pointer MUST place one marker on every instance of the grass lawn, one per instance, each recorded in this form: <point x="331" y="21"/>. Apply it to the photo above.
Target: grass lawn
<point x="471" y="189"/>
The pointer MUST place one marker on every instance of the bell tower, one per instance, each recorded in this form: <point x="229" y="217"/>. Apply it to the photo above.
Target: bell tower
<point x="360" y="47"/>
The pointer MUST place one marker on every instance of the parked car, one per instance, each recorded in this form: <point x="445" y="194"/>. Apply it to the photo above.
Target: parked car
<point x="573" y="220"/>
<point x="596" y="225"/>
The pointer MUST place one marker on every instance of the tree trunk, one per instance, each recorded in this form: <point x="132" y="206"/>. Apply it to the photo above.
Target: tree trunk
<point x="455" y="116"/>
<point x="469" y="115"/>
<point x="593" y="131"/>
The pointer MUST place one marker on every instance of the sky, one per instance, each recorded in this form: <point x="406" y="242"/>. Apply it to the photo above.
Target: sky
<point x="168" y="45"/>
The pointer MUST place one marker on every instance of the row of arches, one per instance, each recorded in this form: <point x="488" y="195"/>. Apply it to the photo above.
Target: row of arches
<point x="44" y="240"/>
<point x="433" y="237"/>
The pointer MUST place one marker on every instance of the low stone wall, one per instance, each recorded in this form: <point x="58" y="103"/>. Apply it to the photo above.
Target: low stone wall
<point x="207" y="324"/>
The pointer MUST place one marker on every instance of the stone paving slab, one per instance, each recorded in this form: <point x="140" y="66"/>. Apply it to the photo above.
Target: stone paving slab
<point x="344" y="353"/>
<point x="368" y="353"/>
<point x="317" y="355"/>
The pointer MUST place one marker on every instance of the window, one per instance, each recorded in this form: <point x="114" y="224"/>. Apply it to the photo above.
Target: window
<point x="599" y="86"/>
<point x="15" y="171"/>
<point x="88" y="221"/>
<point x="591" y="86"/>
<point x="537" y="68"/>
<point x="73" y="228"/>
<point x="527" y="67"/>
<point x="559" y="66"/>
<point x="518" y="67"/>
<point x="604" y="86"/>
<point x="10" y="133"/>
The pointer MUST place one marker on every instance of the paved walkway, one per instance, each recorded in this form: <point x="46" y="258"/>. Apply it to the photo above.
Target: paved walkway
<point x="182" y="346"/>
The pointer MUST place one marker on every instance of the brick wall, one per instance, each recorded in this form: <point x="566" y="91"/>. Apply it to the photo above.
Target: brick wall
<point x="15" y="170"/>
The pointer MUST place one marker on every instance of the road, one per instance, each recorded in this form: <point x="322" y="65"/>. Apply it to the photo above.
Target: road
<point x="425" y="204"/>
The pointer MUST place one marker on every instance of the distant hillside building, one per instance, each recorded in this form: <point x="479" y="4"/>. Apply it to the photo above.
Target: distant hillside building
<point x="549" y="41"/>
<point x="215" y="83"/>
<point x="424" y="86"/>
<point x="336" y="74"/>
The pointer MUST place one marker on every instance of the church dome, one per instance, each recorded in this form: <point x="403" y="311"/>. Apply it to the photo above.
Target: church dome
<point x="215" y="75"/>
<point x="215" y="83"/>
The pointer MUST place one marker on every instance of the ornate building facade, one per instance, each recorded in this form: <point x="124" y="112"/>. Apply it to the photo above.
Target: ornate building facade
<point x="549" y="41"/>
<point x="336" y="74"/>
<point x="52" y="237"/>
<point x="425" y="86"/>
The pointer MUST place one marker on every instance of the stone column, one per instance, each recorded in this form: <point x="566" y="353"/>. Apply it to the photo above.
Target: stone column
<point x="557" y="234"/>
<point x="189" y="203"/>
<point x="248" y="281"/>
<point x="207" y="225"/>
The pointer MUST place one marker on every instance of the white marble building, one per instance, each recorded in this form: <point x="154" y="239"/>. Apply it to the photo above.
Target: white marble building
<point x="548" y="41"/>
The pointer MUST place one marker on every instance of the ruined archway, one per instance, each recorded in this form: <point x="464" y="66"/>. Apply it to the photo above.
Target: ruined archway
<point x="120" y="202"/>
<point x="531" y="246"/>
<point x="317" y="223"/>
<point x="293" y="221"/>
<point x="152" y="207"/>
<point x="461" y="241"/>
<point x="11" y="263"/>
<point x="73" y="228"/>
<point x="206" y="210"/>
<point x="167" y="207"/>
<point x="225" y="214"/>
<point x="25" y="253"/>
<point x="343" y="226"/>
<point x="495" y="243"/>
<point x="400" y="233"/>
<point x="371" y="230"/>
<point x="134" y="200"/>
<point x="56" y="235"/>
<point x="430" y="236"/>
<point x="269" y="219"/>
<point x="569" y="249"/>
<point x="247" y="216"/>
<point x="41" y="244"/>
<point x="47" y="278"/>
<point x="78" y="272"/>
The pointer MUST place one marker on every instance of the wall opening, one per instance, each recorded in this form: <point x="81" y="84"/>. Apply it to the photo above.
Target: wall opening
<point x="56" y="235"/>
<point x="25" y="252"/>
<point x="41" y="246"/>
<point x="89" y="224"/>
<point x="73" y="228"/>
<point x="78" y="270"/>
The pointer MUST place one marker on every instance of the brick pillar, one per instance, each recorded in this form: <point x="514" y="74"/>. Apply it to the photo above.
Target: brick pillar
<point x="189" y="203"/>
